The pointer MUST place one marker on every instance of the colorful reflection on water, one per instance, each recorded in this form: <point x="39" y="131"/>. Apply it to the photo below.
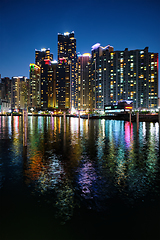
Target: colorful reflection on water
<point x="70" y="165"/>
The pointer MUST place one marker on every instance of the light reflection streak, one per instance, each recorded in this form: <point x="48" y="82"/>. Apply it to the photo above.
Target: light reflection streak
<point x="87" y="176"/>
<point x="10" y="125"/>
<point x="55" y="124"/>
<point x="100" y="141"/>
<point x="49" y="177"/>
<point x="52" y="122"/>
<point x="128" y="134"/>
<point x="74" y="133"/>
<point x="86" y="126"/>
<point x="16" y="126"/>
<point x="4" y="120"/>
<point x="59" y="124"/>
<point x="144" y="129"/>
<point x="103" y="127"/>
<point x="45" y="175"/>
<point x="17" y="140"/>
<point x="157" y="129"/>
<point x="74" y="125"/>
<point x="154" y="129"/>
<point x="40" y="123"/>
<point x="140" y="137"/>
<point x="31" y="122"/>
<point x="121" y="167"/>
<point x="5" y="127"/>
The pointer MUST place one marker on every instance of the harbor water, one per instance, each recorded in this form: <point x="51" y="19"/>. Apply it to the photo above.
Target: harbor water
<point x="76" y="180"/>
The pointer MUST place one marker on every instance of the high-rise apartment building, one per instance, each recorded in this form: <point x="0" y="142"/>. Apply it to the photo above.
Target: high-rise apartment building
<point x="48" y="85"/>
<point x="124" y="75"/>
<point x="63" y="85"/>
<point x="34" y="90"/>
<point x="83" y="93"/>
<point x="41" y="55"/>
<point x="67" y="53"/>
<point x="5" y="89"/>
<point x="99" y="80"/>
<point x="19" y="93"/>
<point x="48" y="69"/>
<point x="52" y="81"/>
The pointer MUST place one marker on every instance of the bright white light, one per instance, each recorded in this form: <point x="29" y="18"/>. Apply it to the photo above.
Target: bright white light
<point x="66" y="33"/>
<point x="54" y="61"/>
<point x="43" y="49"/>
<point x="73" y="110"/>
<point x="129" y="102"/>
<point x="86" y="55"/>
<point x="95" y="46"/>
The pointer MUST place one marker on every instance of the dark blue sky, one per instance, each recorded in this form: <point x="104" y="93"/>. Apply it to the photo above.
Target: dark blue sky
<point x="34" y="24"/>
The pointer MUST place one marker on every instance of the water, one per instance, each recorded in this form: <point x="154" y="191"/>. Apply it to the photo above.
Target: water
<point x="100" y="181"/>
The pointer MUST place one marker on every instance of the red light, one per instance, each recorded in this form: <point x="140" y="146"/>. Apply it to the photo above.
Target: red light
<point x="47" y="61"/>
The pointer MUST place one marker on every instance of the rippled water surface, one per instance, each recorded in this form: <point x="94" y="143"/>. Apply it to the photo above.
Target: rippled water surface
<point x="79" y="181"/>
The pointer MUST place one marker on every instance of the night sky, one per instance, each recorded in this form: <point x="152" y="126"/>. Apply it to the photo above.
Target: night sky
<point x="35" y="24"/>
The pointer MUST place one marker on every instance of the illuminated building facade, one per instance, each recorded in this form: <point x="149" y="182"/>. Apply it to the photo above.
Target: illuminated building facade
<point x="63" y="85"/>
<point x="52" y="80"/>
<point x="34" y="86"/>
<point x="99" y="79"/>
<point x="152" y="80"/>
<point x="41" y="55"/>
<point x="5" y="95"/>
<point x="48" y="84"/>
<point x="83" y="93"/>
<point x="48" y="69"/>
<point x="5" y="106"/>
<point x="67" y="52"/>
<point x="19" y="92"/>
<point x="5" y="89"/>
<point x="124" y="75"/>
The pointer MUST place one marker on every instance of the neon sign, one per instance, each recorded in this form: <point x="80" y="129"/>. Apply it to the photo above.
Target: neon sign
<point x="47" y="61"/>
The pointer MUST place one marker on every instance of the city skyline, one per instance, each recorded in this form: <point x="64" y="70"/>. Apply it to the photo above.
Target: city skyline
<point x="34" y="25"/>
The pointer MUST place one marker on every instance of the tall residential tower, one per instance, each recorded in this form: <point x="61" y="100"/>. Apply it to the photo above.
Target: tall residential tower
<point x="84" y="98"/>
<point x="67" y="53"/>
<point x="48" y="69"/>
<point x="124" y="75"/>
<point x="34" y="93"/>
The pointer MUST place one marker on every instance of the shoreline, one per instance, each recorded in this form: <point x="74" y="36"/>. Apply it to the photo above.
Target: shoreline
<point x="142" y="117"/>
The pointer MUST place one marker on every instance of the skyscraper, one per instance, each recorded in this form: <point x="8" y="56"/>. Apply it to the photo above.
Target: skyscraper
<point x="19" y="93"/>
<point x="34" y="90"/>
<point x="52" y="81"/>
<point x="98" y="67"/>
<point x="5" y="89"/>
<point x="83" y="93"/>
<point x="67" y="53"/>
<point x="124" y="75"/>
<point x="41" y="55"/>
<point x="63" y="85"/>
<point x="44" y="60"/>
<point x="48" y="84"/>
